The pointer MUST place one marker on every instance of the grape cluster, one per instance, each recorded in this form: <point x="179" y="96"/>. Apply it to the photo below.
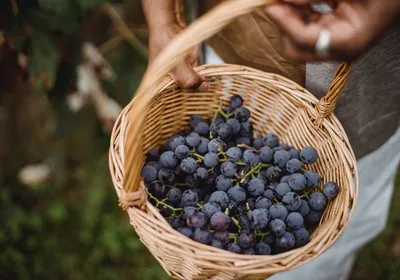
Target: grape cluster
<point x="220" y="186"/>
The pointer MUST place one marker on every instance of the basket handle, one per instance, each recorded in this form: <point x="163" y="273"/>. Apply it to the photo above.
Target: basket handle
<point x="200" y="30"/>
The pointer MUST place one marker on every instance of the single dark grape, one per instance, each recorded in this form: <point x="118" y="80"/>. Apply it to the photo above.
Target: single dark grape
<point x="186" y="231"/>
<point x="154" y="164"/>
<point x="234" y="154"/>
<point x="223" y="183"/>
<point x="174" y="196"/>
<point x="153" y="155"/>
<point x="157" y="188"/>
<point x="278" y="211"/>
<point x="211" y="160"/>
<point x="237" y="194"/>
<point x="308" y="155"/>
<point x="210" y="208"/>
<point x="297" y="181"/>
<point x="189" y="211"/>
<point x="188" y="165"/>
<point x="228" y="169"/>
<point x="312" y="178"/>
<point x="236" y="101"/>
<point x="217" y="244"/>
<point x="273" y="173"/>
<point x="222" y="236"/>
<point x="269" y="239"/>
<point x="149" y="174"/>
<point x="167" y="176"/>
<point x="291" y="201"/>
<point x="176" y="141"/>
<point x="216" y="145"/>
<point x="294" y="221"/>
<point x="251" y="157"/>
<point x="181" y="152"/>
<point x="165" y="147"/>
<point x="262" y="202"/>
<point x="281" y="158"/>
<point x="202" y="129"/>
<point x="268" y="193"/>
<point x="189" y="198"/>
<point x="294" y="153"/>
<point x="224" y="131"/>
<point x="233" y="248"/>
<point x="220" y="221"/>
<point x="317" y="201"/>
<point x="246" y="239"/>
<point x="246" y="129"/>
<point x="203" y="236"/>
<point x="260" y="218"/>
<point x="195" y="119"/>
<point x="331" y="190"/>
<point x="262" y="249"/>
<point x="256" y="187"/>
<point x="191" y="182"/>
<point x="198" y="220"/>
<point x="286" y="241"/>
<point x="285" y="146"/>
<point x="193" y="140"/>
<point x="277" y="227"/>
<point x="304" y="208"/>
<point x="285" y="179"/>
<point x="220" y="119"/>
<point x="313" y="217"/>
<point x="212" y="176"/>
<point x="271" y="140"/>
<point x="244" y="221"/>
<point x="229" y="110"/>
<point x="272" y="185"/>
<point x="293" y="165"/>
<point x="177" y="222"/>
<point x="266" y="154"/>
<point x="243" y="140"/>
<point x="282" y="189"/>
<point x="301" y="236"/>
<point x="168" y="159"/>
<point x="242" y="114"/>
<point x="258" y="143"/>
<point x="202" y="148"/>
<point x="234" y="124"/>
<point x="221" y="198"/>
<point x="201" y="174"/>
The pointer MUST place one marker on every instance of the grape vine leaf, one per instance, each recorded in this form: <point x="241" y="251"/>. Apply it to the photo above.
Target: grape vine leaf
<point x="43" y="62"/>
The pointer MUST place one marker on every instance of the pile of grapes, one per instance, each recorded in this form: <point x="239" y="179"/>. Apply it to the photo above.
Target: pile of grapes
<point x="221" y="187"/>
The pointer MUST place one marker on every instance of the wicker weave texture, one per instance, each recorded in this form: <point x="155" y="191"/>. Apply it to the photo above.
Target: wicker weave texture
<point x="278" y="105"/>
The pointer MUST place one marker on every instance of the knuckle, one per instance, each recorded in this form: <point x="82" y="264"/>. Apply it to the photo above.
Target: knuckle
<point x="191" y="82"/>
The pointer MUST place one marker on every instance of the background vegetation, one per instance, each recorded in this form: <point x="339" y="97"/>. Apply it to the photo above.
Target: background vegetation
<point x="59" y="217"/>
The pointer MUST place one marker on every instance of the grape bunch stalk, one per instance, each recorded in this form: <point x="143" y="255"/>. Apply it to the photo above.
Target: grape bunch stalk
<point x="220" y="186"/>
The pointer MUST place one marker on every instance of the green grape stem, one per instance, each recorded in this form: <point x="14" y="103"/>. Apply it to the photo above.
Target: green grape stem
<point x="162" y="202"/>
<point x="233" y="236"/>
<point x="237" y="224"/>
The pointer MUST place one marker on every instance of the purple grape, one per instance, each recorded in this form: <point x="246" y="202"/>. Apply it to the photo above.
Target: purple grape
<point x="195" y="119"/>
<point x="308" y="155"/>
<point x="189" y="198"/>
<point x="191" y="182"/>
<point x="176" y="141"/>
<point x="157" y="188"/>
<point x="285" y="179"/>
<point x="242" y="114"/>
<point x="293" y="165"/>
<point x="302" y="237"/>
<point x="177" y="222"/>
<point x="210" y="208"/>
<point x="246" y="129"/>
<point x="202" y="148"/>
<point x="181" y="152"/>
<point x="313" y="217"/>
<point x="304" y="208"/>
<point x="202" y="236"/>
<point x="221" y="198"/>
<point x="167" y="176"/>
<point x="331" y="190"/>
<point x="168" y="159"/>
<point x="237" y="194"/>
<point x="297" y="181"/>
<point x="291" y="201"/>
<point x="153" y="155"/>
<point x="246" y="239"/>
<point x="243" y="140"/>
<point x="211" y="160"/>
<point x="262" y="202"/>
<point x="220" y="221"/>
<point x="234" y="124"/>
<point x="294" y="153"/>
<point x="258" y="143"/>
<point x="193" y="140"/>
<point x="286" y="241"/>
<point x="281" y="158"/>
<point x="317" y="201"/>
<point x="174" y="196"/>
<point x="268" y="193"/>
<point x="216" y="145"/>
<point x="266" y="154"/>
<point x="278" y="211"/>
<point x="233" y="248"/>
<point x="282" y="189"/>
<point x="202" y="129"/>
<point x="223" y="183"/>
<point x="312" y="179"/>
<point x="269" y="239"/>
<point x="234" y="154"/>
<point x="271" y="140"/>
<point x="198" y="220"/>
<point x="217" y="244"/>
<point x="277" y="227"/>
<point x="149" y="174"/>
<point x="188" y="232"/>
<point x="262" y="249"/>
<point x="224" y="131"/>
<point x="222" y="236"/>
<point x="256" y="187"/>
<point x="201" y="174"/>
<point x="189" y="211"/>
<point x="228" y="169"/>
<point x="260" y="218"/>
<point x="236" y="101"/>
<point x="188" y="165"/>
<point x="251" y="157"/>
<point x="284" y="146"/>
<point x="273" y="173"/>
<point x="294" y="221"/>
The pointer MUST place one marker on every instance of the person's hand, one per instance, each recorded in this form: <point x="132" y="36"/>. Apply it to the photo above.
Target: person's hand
<point x="353" y="26"/>
<point x="183" y="73"/>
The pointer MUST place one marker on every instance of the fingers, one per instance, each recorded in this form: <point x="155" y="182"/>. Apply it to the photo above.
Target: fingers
<point x="185" y="76"/>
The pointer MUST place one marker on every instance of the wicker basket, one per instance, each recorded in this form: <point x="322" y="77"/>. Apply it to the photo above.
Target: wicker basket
<point x="277" y="104"/>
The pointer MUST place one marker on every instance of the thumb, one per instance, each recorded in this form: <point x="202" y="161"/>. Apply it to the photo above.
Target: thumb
<point x="185" y="76"/>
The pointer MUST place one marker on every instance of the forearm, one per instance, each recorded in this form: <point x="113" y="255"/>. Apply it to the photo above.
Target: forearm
<point x="159" y="12"/>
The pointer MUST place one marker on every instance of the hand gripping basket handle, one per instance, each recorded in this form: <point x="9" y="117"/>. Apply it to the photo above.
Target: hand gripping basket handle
<point x="197" y="32"/>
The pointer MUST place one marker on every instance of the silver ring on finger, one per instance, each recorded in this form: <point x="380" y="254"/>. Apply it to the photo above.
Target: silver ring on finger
<point x="323" y="43"/>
